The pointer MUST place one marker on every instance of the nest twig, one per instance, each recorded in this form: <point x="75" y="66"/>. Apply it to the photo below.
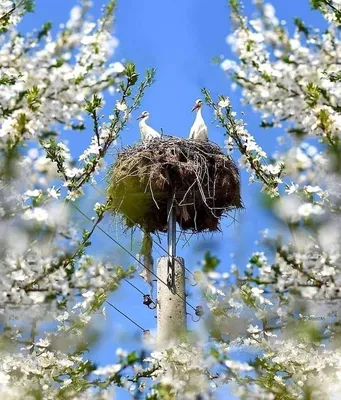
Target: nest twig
<point x="205" y="183"/>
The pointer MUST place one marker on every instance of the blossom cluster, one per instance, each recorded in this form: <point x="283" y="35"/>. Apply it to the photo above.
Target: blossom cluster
<point x="282" y="307"/>
<point x="52" y="288"/>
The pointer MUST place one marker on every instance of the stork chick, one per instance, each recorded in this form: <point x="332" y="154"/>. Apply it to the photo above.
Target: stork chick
<point x="147" y="133"/>
<point x="199" y="128"/>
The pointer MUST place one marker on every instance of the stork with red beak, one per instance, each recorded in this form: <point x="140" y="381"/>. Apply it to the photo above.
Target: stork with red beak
<point x="199" y="128"/>
<point x="147" y="133"/>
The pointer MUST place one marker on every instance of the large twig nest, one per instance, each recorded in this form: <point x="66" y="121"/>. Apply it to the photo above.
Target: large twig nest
<point x="205" y="182"/>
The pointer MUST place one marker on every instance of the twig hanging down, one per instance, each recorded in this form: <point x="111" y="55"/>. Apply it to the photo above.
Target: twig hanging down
<point x="147" y="259"/>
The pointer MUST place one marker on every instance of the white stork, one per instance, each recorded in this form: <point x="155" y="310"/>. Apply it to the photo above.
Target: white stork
<point x="199" y="128"/>
<point x="147" y="133"/>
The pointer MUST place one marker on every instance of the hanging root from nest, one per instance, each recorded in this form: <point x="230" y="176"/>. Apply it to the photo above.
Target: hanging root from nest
<point x="146" y="259"/>
<point x="203" y="181"/>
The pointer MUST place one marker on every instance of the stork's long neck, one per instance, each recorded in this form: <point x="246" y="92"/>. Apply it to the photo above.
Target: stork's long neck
<point x="199" y="115"/>
<point x="143" y="121"/>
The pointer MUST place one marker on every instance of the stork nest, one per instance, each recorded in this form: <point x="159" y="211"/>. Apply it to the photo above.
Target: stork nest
<point x="202" y="182"/>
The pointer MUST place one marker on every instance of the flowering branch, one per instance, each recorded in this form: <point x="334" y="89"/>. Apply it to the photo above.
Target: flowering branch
<point x="252" y="153"/>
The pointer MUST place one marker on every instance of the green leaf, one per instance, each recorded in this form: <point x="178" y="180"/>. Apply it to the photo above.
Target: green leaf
<point x="312" y="94"/>
<point x="315" y="4"/>
<point x="32" y="98"/>
<point x="300" y="26"/>
<point x="44" y="30"/>
<point x="210" y="262"/>
<point x="131" y="73"/>
<point x="7" y="80"/>
<point x="266" y="77"/>
<point x="266" y="124"/>
<point x="93" y="104"/>
<point x="255" y="259"/>
<point x="325" y="121"/>
<point x="29" y="5"/>
<point x="132" y="357"/>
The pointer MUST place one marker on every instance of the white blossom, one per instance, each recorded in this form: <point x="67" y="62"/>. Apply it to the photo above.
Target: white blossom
<point x="37" y="213"/>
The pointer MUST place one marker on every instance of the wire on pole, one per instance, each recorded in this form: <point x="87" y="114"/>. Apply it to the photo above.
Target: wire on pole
<point x="125" y="315"/>
<point x="128" y="252"/>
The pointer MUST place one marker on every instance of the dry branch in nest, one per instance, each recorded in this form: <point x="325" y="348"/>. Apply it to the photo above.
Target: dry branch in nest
<point x="203" y="181"/>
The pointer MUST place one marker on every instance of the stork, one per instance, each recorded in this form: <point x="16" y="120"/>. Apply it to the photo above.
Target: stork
<point x="147" y="133"/>
<point x="199" y="128"/>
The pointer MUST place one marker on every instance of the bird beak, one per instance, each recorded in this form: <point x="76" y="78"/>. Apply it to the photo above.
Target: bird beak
<point x="140" y="117"/>
<point x="195" y="107"/>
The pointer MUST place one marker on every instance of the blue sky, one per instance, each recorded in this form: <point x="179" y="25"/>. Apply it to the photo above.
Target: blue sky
<point x="179" y="38"/>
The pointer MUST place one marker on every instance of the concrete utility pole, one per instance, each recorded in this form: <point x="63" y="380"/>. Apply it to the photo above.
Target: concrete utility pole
<point x="171" y="307"/>
<point x="171" y="298"/>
